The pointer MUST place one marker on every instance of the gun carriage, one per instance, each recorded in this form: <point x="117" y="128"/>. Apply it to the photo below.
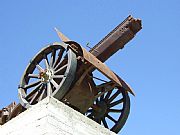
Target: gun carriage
<point x="67" y="72"/>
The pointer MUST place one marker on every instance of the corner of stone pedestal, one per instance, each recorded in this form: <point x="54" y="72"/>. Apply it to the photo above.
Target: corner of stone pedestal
<point x="52" y="117"/>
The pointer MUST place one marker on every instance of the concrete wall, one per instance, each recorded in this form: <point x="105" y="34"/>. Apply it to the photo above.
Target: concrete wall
<point x="51" y="117"/>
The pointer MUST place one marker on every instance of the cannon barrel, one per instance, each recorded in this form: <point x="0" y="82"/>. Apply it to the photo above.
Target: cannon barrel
<point x="116" y="39"/>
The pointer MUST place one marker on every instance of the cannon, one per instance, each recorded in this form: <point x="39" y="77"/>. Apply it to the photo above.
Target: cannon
<point x="79" y="78"/>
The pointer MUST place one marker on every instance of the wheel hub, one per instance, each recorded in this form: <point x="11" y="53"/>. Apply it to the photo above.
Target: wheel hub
<point x="46" y="75"/>
<point x="102" y="109"/>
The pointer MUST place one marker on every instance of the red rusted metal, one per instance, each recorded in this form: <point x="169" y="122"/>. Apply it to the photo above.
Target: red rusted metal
<point x="97" y="64"/>
<point x="116" y="39"/>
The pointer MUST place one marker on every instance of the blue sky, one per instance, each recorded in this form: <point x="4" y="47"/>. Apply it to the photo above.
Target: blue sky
<point x="150" y="63"/>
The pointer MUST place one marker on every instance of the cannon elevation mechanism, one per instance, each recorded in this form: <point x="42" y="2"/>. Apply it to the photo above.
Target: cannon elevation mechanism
<point x="79" y="78"/>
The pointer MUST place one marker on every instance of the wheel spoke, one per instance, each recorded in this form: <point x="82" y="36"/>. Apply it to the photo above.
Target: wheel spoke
<point x="32" y="84"/>
<point x="58" y="76"/>
<point x="54" y="83"/>
<point x="35" y="97"/>
<point x="105" y="123"/>
<point x="116" y="102"/>
<point x="61" y="68"/>
<point x="46" y="61"/>
<point x="102" y="97"/>
<point x="108" y="95"/>
<point x="111" y="118"/>
<point x="97" y="100"/>
<point x="100" y="94"/>
<point x="39" y="68"/>
<point x="33" y="76"/>
<point x="49" y="89"/>
<point x="53" y="55"/>
<point x="102" y="91"/>
<point x="60" y="64"/>
<point x="60" y="54"/>
<point x="115" y="110"/>
<point x="114" y="96"/>
<point x="42" y="94"/>
<point x="34" y="91"/>
<point x="90" y="116"/>
<point x="89" y="111"/>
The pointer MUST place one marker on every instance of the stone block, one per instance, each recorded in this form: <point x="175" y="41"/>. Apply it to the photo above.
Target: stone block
<point x="52" y="117"/>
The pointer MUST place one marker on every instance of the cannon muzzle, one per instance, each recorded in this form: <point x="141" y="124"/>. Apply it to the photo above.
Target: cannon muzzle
<point x="116" y="39"/>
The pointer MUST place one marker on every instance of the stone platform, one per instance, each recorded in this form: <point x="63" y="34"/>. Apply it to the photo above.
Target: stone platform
<point x="51" y="117"/>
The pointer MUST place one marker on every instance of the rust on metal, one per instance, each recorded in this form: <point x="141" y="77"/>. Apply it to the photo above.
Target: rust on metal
<point x="62" y="36"/>
<point x="95" y="63"/>
<point x="116" y="39"/>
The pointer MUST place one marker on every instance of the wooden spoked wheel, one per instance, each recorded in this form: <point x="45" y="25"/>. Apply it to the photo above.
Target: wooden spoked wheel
<point x="49" y="73"/>
<point x="111" y="106"/>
